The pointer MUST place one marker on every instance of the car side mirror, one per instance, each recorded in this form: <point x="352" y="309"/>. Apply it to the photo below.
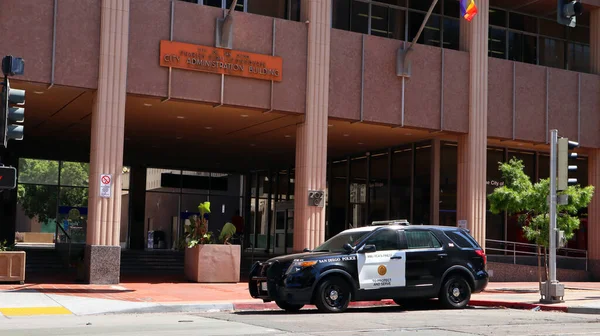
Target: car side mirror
<point x="368" y="248"/>
<point x="348" y="248"/>
<point x="306" y="250"/>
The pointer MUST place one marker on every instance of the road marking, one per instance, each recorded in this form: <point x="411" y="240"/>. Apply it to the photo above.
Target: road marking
<point x="29" y="311"/>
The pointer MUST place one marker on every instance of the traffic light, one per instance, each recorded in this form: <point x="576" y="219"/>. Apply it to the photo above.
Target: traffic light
<point x="567" y="12"/>
<point x="563" y="181"/>
<point x="12" y="112"/>
<point x="8" y="177"/>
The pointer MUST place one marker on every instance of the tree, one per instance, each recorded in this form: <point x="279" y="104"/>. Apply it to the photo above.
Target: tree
<point x="519" y="196"/>
<point x="38" y="197"/>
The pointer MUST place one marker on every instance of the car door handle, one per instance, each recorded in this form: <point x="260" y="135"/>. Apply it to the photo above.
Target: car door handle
<point x="442" y="255"/>
<point x="396" y="257"/>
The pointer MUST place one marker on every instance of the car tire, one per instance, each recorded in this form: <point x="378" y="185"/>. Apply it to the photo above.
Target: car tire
<point x="333" y="295"/>
<point x="455" y="292"/>
<point x="288" y="306"/>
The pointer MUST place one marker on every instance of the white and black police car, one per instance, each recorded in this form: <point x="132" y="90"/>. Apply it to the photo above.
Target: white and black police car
<point x="387" y="260"/>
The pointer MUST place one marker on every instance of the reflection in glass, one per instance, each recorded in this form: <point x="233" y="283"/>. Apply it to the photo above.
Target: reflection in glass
<point x="379" y="21"/>
<point x="378" y="187"/>
<point x="497" y="17"/>
<point x="522" y="22"/>
<point x="341" y="14"/>
<point x="38" y="171"/>
<point x="451" y="34"/>
<point x="423" y="5"/>
<point x="74" y="174"/>
<point x="162" y="215"/>
<point x="272" y="8"/>
<point x="397" y="24"/>
<point x="36" y="209"/>
<point x="165" y="180"/>
<point x="72" y="213"/>
<point x="579" y="57"/>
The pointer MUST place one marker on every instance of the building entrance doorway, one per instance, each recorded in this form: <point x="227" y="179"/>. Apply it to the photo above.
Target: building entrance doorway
<point x="284" y="227"/>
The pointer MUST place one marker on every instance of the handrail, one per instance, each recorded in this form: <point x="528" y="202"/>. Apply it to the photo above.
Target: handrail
<point x="506" y="249"/>
<point x="70" y="240"/>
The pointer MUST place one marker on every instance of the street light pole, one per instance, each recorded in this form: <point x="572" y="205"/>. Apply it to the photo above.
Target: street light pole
<point x="552" y="291"/>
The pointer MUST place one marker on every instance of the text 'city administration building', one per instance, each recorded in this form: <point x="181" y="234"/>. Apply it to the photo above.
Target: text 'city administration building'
<point x="305" y="96"/>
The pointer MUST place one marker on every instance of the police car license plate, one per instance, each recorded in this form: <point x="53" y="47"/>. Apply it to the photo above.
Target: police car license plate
<point x="263" y="286"/>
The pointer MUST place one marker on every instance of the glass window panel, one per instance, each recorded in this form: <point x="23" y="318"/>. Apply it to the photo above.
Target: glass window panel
<point x="213" y="3"/>
<point x="190" y="1"/>
<point x="544" y="166"/>
<point x="36" y="210"/>
<point x="424" y="5"/>
<point x="386" y="240"/>
<point x="72" y="212"/>
<point x="579" y="57"/>
<point x="448" y="184"/>
<point x="422" y="190"/>
<point x="522" y="48"/>
<point x="397" y="19"/>
<point x="528" y="159"/>
<point x="163" y="213"/>
<point x="552" y="29"/>
<point x="494" y="223"/>
<point x="378" y="187"/>
<point x="74" y="174"/>
<point x="522" y="22"/>
<point x="358" y="191"/>
<point x="126" y="178"/>
<point x="431" y="33"/>
<point x="451" y="34"/>
<point x="552" y="52"/>
<point x="497" y="17"/>
<point x="579" y="34"/>
<point x="514" y="228"/>
<point x="497" y="43"/>
<point x="359" y="22"/>
<point x="452" y="8"/>
<point x="421" y="239"/>
<point x="272" y="8"/>
<point x="379" y="21"/>
<point x="293" y="10"/>
<point x="337" y="197"/>
<point x="460" y="239"/>
<point x="38" y="171"/>
<point x="341" y="14"/>
<point x="401" y="175"/>
<point x="239" y="6"/>
<point x="400" y="3"/>
<point x="165" y="180"/>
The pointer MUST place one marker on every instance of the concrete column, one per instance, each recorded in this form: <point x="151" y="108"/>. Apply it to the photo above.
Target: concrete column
<point x="434" y="207"/>
<point x="311" y="135"/>
<point x="103" y="253"/>
<point x="472" y="147"/>
<point x="595" y="41"/>
<point x="594" y="213"/>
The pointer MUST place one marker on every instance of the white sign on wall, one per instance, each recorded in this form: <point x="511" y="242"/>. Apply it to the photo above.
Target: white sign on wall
<point x="105" y="184"/>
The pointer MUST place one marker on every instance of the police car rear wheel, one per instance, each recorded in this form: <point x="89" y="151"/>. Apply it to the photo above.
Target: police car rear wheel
<point x="333" y="296"/>
<point x="455" y="293"/>
<point x="288" y="306"/>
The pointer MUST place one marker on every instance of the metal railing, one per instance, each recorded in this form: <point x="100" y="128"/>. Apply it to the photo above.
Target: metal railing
<point x="514" y="249"/>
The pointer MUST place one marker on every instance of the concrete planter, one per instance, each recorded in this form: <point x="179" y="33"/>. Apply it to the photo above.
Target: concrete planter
<point x="12" y="266"/>
<point x="213" y="263"/>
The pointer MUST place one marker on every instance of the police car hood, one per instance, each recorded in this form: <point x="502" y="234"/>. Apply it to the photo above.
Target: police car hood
<point x="305" y="256"/>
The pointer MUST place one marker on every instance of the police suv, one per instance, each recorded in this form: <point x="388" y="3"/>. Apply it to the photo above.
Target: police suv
<point x="387" y="260"/>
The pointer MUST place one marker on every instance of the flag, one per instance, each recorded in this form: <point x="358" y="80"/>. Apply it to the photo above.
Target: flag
<point x="468" y="9"/>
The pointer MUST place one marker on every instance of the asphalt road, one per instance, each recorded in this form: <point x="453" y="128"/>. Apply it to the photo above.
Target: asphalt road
<point x="364" y="322"/>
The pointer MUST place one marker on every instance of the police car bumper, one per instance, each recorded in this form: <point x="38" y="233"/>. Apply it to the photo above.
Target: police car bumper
<point x="480" y="282"/>
<point x="278" y="286"/>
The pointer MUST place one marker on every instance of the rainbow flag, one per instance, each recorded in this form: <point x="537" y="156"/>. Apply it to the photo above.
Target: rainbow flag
<point x="468" y="9"/>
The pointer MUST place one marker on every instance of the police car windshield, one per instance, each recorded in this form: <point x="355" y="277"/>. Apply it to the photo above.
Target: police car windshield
<point x="337" y="242"/>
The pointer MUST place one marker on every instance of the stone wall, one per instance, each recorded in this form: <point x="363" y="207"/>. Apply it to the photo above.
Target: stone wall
<point x="500" y="272"/>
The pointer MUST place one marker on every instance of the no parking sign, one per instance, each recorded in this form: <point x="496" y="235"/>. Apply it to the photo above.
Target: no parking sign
<point x="105" y="183"/>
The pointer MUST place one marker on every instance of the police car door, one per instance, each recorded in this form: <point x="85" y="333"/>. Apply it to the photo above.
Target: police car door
<point x="384" y="268"/>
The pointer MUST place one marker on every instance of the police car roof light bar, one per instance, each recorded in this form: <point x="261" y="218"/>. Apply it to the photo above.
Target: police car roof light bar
<point x="391" y="222"/>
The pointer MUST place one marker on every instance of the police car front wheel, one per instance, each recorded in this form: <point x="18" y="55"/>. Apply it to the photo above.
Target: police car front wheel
<point x="455" y="292"/>
<point x="332" y="295"/>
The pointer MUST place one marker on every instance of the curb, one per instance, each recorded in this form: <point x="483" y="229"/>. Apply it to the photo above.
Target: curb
<point x="517" y="305"/>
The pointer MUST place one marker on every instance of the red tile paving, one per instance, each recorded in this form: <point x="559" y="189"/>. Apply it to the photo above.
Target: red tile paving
<point x="176" y="289"/>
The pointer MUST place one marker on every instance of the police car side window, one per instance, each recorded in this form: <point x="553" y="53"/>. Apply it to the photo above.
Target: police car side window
<point x="384" y="240"/>
<point x="421" y="239"/>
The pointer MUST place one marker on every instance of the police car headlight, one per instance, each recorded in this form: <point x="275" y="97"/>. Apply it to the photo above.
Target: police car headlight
<point x="298" y="266"/>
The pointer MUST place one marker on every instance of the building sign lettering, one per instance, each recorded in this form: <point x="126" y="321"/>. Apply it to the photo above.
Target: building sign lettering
<point x="220" y="61"/>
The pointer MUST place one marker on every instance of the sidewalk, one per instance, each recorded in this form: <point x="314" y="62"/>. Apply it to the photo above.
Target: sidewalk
<point x="174" y="294"/>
